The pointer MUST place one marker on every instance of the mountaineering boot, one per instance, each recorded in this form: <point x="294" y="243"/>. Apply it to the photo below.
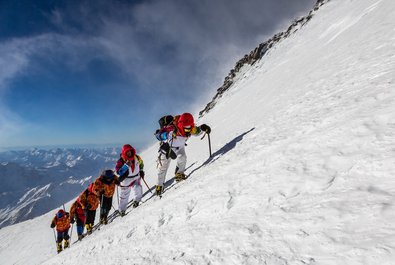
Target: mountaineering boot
<point x="104" y="220"/>
<point x="135" y="204"/>
<point x="80" y="237"/>
<point x="179" y="176"/>
<point x="65" y="244"/>
<point x="59" y="247"/>
<point x="159" y="190"/>
<point x="123" y="213"/>
<point x="89" y="228"/>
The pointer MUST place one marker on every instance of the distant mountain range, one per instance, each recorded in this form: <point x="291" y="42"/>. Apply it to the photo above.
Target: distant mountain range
<point x="35" y="181"/>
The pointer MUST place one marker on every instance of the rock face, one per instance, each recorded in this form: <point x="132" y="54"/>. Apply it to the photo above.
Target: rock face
<point x="259" y="52"/>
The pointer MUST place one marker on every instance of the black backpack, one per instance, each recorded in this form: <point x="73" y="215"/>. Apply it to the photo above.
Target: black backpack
<point x="165" y="147"/>
<point x="165" y="120"/>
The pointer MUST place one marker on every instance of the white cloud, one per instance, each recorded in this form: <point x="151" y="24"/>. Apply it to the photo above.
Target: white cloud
<point x="13" y="60"/>
<point x="16" y="60"/>
<point x="175" y="49"/>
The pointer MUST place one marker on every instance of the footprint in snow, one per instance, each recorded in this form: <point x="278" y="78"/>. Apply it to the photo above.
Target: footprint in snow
<point x="255" y="230"/>
<point x="190" y="207"/>
<point x="131" y="232"/>
<point x="147" y="229"/>
<point x="231" y="200"/>
<point x="161" y="220"/>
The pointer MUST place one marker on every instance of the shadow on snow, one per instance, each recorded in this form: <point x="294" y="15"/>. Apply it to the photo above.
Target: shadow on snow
<point x="226" y="148"/>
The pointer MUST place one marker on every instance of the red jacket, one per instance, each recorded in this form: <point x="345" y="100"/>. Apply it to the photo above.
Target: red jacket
<point x="77" y="210"/>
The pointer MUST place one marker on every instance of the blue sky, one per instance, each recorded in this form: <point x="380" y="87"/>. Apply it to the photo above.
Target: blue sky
<point x="103" y="72"/>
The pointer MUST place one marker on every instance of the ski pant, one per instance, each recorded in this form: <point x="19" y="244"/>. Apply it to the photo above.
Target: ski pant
<point x="105" y="206"/>
<point x="90" y="217"/>
<point x="134" y="185"/>
<point x="62" y="235"/>
<point x="165" y="163"/>
<point x="80" y="226"/>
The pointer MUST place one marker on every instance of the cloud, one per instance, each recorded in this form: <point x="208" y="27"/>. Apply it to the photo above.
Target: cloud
<point x="18" y="57"/>
<point x="187" y="46"/>
<point x="171" y="53"/>
<point x="13" y="60"/>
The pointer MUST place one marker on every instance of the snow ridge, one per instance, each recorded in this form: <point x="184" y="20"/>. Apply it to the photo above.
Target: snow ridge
<point x="302" y="167"/>
<point x="258" y="53"/>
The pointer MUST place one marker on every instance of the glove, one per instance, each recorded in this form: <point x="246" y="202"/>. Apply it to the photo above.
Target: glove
<point x="52" y="225"/>
<point x="72" y="220"/>
<point x="142" y="174"/>
<point x="117" y="182"/>
<point x="205" y="128"/>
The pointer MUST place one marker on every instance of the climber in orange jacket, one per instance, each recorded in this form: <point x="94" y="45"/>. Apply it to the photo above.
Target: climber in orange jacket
<point x="105" y="185"/>
<point x="62" y="223"/>
<point x="89" y="200"/>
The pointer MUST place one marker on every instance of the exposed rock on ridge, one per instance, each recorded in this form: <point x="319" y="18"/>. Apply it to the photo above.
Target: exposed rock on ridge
<point x="259" y="52"/>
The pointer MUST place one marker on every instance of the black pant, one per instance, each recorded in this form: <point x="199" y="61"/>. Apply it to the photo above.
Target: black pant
<point x="63" y="235"/>
<point x="90" y="216"/>
<point x="105" y="206"/>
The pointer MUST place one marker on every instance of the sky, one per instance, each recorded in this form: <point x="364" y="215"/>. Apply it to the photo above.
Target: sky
<point x="104" y="72"/>
<point x="308" y="178"/>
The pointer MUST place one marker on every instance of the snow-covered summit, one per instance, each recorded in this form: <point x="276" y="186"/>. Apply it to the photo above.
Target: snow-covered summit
<point x="302" y="170"/>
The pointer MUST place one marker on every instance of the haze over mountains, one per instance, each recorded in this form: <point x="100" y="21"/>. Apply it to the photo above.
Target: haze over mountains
<point x="35" y="181"/>
<point x="302" y="166"/>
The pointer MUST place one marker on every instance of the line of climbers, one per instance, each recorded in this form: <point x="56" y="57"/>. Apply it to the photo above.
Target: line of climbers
<point x="129" y="171"/>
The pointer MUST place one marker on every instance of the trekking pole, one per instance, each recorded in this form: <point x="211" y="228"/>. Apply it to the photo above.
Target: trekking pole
<point x="71" y="233"/>
<point x="101" y="203"/>
<point x="209" y="142"/>
<point x="54" y="235"/>
<point x="147" y="185"/>
<point x="117" y="196"/>
<point x="64" y="209"/>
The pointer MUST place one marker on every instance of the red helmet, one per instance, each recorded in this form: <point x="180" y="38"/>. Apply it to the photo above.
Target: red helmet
<point x="185" y="123"/>
<point x="126" y="155"/>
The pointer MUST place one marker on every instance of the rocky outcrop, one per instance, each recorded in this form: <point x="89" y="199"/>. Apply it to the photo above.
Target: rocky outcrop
<point x="258" y="53"/>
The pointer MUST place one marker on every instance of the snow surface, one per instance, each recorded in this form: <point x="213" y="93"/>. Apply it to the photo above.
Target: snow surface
<point x="302" y="170"/>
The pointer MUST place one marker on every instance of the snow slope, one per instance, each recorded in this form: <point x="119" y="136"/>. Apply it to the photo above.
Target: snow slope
<point x="302" y="167"/>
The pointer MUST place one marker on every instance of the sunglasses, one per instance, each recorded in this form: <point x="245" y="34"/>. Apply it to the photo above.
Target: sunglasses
<point x="187" y="128"/>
